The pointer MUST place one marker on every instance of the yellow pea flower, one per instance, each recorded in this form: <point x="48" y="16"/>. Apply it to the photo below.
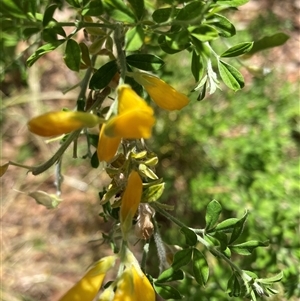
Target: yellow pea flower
<point x="61" y="122"/>
<point x="135" y="118"/>
<point x="107" y="146"/>
<point x="164" y="95"/>
<point x="130" y="201"/>
<point x="134" y="286"/>
<point x="88" y="286"/>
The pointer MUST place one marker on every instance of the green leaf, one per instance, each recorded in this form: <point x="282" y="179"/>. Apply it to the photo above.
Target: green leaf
<point x="275" y="40"/>
<point x="93" y="139"/>
<point x="200" y="267"/>
<point x="238" y="49"/>
<point x="102" y="77"/>
<point x="29" y="31"/>
<point x="164" y="45"/>
<point x="48" y="15"/>
<point x="271" y="280"/>
<point x="50" y="201"/>
<point x="43" y="50"/>
<point x="212" y="214"/>
<point x="72" y="55"/>
<point x="238" y="228"/>
<point x="190" y="236"/>
<point x="163" y="14"/>
<point x="235" y="286"/>
<point x="247" y="248"/>
<point x="138" y="8"/>
<point x="119" y="11"/>
<point x="95" y="160"/>
<point x="232" y="3"/>
<point x="152" y="193"/>
<point x="135" y="38"/>
<point x="195" y="65"/>
<point x="191" y="12"/>
<point x="224" y="27"/>
<point x="147" y="62"/>
<point x="205" y="33"/>
<point x="182" y="258"/>
<point x="226" y="226"/>
<point x="74" y="3"/>
<point x="13" y="8"/>
<point x="167" y="292"/>
<point x="170" y="275"/>
<point x="85" y="54"/>
<point x="93" y="8"/>
<point x="231" y="76"/>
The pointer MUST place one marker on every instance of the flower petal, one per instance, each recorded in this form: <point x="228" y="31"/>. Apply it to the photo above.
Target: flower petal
<point x="130" y="201"/>
<point x="133" y="124"/>
<point x="164" y="95"/>
<point x="107" y="146"/>
<point x="88" y="286"/>
<point x="129" y="100"/>
<point x="61" y="122"/>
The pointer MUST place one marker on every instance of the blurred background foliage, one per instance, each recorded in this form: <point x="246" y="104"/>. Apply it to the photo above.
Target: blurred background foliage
<point x="241" y="149"/>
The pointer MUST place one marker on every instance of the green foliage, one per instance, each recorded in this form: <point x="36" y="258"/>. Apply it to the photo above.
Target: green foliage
<point x="225" y="148"/>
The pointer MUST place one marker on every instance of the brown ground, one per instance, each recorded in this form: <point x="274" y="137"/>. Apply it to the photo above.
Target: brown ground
<point x="45" y="251"/>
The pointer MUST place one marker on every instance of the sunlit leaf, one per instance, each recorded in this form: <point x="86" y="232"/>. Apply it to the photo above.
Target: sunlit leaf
<point x="170" y="275"/>
<point x="213" y="211"/>
<point x="200" y="267"/>
<point x="238" y="49"/>
<point x="231" y="76"/>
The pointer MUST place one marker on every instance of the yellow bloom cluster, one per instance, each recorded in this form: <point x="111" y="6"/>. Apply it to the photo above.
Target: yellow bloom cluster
<point x="134" y="121"/>
<point x="131" y="284"/>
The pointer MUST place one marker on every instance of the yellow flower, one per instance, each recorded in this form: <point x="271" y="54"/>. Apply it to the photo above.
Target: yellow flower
<point x="88" y="286"/>
<point x="61" y="122"/>
<point x="135" y="118"/>
<point x="134" y="286"/>
<point x="107" y="147"/>
<point x="134" y="121"/>
<point x="130" y="202"/>
<point x="164" y="95"/>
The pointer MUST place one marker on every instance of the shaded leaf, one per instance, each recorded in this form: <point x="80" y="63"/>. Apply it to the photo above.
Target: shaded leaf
<point x="119" y="11"/>
<point x="138" y="8"/>
<point x="190" y="11"/>
<point x="93" y="8"/>
<point x="163" y="14"/>
<point x="182" y="258"/>
<point x="95" y="160"/>
<point x="238" y="228"/>
<point x="48" y="14"/>
<point x="147" y="62"/>
<point x="190" y="236"/>
<point x="226" y="226"/>
<point x="167" y="292"/>
<point x="72" y="55"/>
<point x="102" y="77"/>
<point x="205" y="33"/>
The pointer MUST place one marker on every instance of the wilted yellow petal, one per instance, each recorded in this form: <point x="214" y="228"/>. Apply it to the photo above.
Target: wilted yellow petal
<point x="133" y="124"/>
<point x="164" y="95"/>
<point x="61" y="122"/>
<point x="88" y="286"/>
<point x="129" y="100"/>
<point x="130" y="201"/>
<point x="107" y="146"/>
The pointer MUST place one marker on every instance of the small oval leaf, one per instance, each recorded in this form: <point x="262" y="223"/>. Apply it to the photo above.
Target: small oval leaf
<point x="72" y="55"/>
<point x="238" y="49"/>
<point x="231" y="76"/>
